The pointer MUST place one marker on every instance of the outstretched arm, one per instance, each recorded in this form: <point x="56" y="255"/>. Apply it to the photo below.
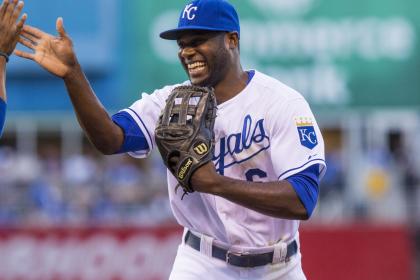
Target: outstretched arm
<point x="56" y="55"/>
<point x="10" y="28"/>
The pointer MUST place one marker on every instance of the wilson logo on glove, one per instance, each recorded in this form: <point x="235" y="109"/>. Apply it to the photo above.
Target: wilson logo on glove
<point x="201" y="148"/>
<point x="185" y="166"/>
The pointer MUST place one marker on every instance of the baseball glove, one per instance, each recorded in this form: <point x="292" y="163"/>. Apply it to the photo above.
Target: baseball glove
<point x="184" y="133"/>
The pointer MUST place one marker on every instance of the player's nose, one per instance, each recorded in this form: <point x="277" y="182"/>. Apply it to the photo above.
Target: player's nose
<point x="186" y="52"/>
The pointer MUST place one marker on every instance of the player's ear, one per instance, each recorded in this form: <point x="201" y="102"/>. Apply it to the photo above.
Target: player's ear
<point x="233" y="39"/>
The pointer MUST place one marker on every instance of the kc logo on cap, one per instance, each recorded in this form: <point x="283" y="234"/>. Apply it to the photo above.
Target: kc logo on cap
<point x="189" y="11"/>
<point x="205" y="15"/>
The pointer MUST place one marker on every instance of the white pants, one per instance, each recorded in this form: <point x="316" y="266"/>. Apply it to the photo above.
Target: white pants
<point x="192" y="265"/>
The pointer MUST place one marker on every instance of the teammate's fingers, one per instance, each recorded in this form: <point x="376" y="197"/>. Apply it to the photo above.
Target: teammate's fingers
<point x="13" y="3"/>
<point x="4" y="6"/>
<point x="21" y="22"/>
<point x="17" y="10"/>
<point x="59" y="25"/>
<point x="10" y="9"/>
<point x="24" y="54"/>
<point x="33" y="31"/>
<point x="27" y="43"/>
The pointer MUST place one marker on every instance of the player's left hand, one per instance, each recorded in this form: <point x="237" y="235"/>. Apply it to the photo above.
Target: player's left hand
<point x="10" y="27"/>
<point x="184" y="133"/>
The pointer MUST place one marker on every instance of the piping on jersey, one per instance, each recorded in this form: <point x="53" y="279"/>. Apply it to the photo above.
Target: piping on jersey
<point x="145" y="127"/>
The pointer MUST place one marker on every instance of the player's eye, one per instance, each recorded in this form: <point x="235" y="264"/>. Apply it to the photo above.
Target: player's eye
<point x="198" y="42"/>
<point x="195" y="43"/>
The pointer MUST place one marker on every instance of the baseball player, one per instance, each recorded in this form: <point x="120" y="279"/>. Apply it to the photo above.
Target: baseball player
<point x="242" y="220"/>
<point x="9" y="33"/>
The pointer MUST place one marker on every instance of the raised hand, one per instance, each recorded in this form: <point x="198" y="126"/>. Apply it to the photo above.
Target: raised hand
<point x="54" y="53"/>
<point x="10" y="27"/>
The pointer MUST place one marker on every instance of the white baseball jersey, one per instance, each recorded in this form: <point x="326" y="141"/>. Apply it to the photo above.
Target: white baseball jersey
<point x="267" y="132"/>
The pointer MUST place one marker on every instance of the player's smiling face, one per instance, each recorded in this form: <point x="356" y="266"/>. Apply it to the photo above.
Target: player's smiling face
<point x="204" y="57"/>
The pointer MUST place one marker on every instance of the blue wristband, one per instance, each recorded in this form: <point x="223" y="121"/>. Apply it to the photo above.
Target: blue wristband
<point x="2" y="114"/>
<point x="5" y="55"/>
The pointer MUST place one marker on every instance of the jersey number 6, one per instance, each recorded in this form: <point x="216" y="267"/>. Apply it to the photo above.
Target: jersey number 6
<point x="255" y="172"/>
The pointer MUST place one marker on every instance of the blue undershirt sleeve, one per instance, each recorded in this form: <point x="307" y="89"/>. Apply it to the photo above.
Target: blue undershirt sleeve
<point x="306" y="185"/>
<point x="134" y="139"/>
<point x="2" y="115"/>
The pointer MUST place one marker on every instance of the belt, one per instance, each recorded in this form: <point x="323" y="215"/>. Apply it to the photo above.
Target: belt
<point x="239" y="259"/>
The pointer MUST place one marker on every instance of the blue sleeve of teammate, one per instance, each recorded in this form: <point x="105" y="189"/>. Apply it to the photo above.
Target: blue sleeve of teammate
<point x="306" y="185"/>
<point x="2" y="115"/>
<point x="134" y="139"/>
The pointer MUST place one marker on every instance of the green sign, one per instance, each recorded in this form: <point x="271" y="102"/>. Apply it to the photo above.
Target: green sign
<point x="337" y="54"/>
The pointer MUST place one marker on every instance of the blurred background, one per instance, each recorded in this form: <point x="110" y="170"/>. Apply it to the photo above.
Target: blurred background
<point x="66" y="212"/>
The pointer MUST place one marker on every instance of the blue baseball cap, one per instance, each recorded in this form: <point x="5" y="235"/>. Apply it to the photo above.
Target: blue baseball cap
<point x="211" y="15"/>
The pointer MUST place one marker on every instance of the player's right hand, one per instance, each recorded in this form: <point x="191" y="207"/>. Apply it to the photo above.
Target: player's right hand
<point x="54" y="53"/>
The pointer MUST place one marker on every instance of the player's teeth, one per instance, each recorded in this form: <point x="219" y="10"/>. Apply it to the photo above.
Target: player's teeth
<point x="196" y="65"/>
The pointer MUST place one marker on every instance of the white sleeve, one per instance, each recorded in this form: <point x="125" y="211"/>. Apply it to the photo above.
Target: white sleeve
<point x="295" y="139"/>
<point x="145" y="113"/>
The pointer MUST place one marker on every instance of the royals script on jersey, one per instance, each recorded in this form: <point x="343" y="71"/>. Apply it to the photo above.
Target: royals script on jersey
<point x="267" y="132"/>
